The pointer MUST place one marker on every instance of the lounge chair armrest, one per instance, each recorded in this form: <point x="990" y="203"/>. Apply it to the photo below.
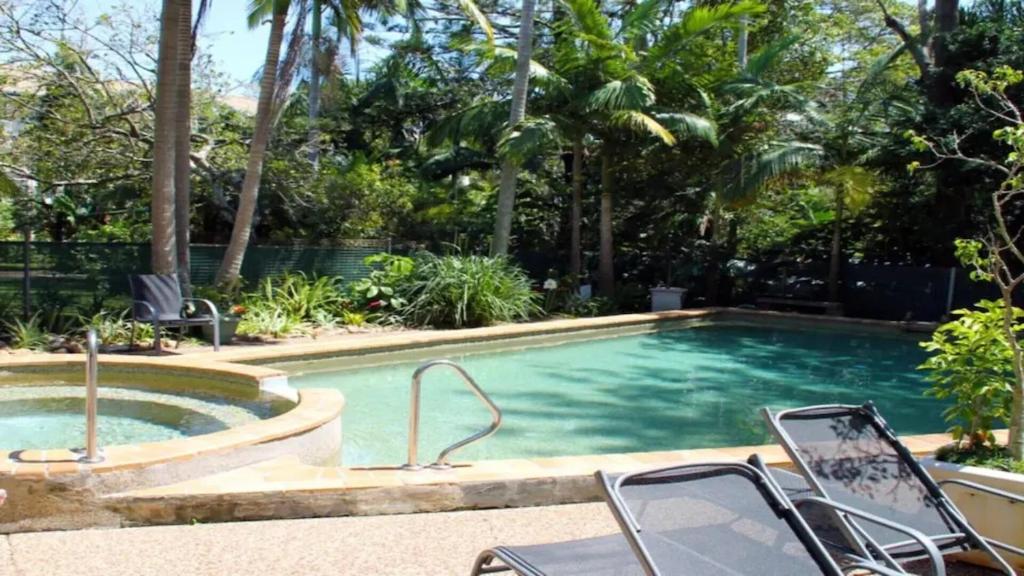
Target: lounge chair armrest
<point x="209" y="305"/>
<point x="149" y="307"/>
<point x="938" y="566"/>
<point x="1015" y="498"/>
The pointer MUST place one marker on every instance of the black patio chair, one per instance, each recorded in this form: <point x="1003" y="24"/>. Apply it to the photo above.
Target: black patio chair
<point x="850" y="455"/>
<point x="688" y="520"/>
<point x="157" y="300"/>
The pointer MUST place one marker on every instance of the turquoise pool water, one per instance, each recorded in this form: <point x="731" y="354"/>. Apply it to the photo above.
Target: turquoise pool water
<point x="686" y="388"/>
<point x="39" y="412"/>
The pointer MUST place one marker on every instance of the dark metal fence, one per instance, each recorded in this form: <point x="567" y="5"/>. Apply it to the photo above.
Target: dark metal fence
<point x="86" y="274"/>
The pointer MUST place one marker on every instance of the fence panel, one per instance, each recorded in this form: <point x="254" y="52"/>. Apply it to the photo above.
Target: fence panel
<point x="86" y="274"/>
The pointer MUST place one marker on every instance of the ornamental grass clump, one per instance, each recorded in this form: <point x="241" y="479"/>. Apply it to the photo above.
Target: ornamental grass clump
<point x="458" y="291"/>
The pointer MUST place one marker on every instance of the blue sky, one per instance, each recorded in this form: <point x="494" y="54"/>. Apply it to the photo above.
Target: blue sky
<point x="238" y="51"/>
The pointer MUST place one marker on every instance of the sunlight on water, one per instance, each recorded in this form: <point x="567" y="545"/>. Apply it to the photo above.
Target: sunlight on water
<point x="687" y="388"/>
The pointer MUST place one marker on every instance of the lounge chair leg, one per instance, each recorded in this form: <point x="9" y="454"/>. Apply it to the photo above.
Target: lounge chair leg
<point x="156" y="338"/>
<point x="181" y="334"/>
<point x="131" y="339"/>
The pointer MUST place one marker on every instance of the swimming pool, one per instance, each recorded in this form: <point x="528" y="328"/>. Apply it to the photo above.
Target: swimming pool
<point x="694" y="386"/>
<point x="47" y="410"/>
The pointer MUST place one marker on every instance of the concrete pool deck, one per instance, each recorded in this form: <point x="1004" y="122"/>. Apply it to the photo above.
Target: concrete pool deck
<point x="408" y="545"/>
<point x="439" y="544"/>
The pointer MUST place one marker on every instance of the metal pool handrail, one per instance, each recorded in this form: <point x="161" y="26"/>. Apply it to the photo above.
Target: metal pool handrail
<point x="92" y="367"/>
<point x="414" y="416"/>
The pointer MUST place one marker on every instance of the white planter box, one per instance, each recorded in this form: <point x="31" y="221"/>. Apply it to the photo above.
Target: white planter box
<point x="990" y="515"/>
<point x="663" y="299"/>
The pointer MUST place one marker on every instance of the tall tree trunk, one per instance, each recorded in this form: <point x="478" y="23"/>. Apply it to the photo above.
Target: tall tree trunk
<point x="741" y="43"/>
<point x="606" y="257"/>
<point x="507" y="187"/>
<point x="231" y="267"/>
<point x="314" y="85"/>
<point x="163" y="255"/>
<point x="183" y="148"/>
<point x="835" y="261"/>
<point x="576" y="212"/>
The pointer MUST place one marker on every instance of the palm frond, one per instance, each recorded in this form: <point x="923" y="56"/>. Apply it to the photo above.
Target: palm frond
<point x="527" y="139"/>
<point x="688" y="124"/>
<point x="641" y="123"/>
<point x="503" y="61"/>
<point x="751" y="173"/>
<point x="857" y="183"/>
<point x="478" y="122"/>
<point x="699" y="20"/>
<point x="635" y="93"/>
<point x="474" y="13"/>
<point x="766" y="58"/>
<point x="588" y="19"/>
<point x="260" y="10"/>
<point x="643" y="19"/>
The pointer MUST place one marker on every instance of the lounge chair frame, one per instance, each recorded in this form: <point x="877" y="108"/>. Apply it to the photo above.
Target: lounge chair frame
<point x="775" y="497"/>
<point x="856" y="535"/>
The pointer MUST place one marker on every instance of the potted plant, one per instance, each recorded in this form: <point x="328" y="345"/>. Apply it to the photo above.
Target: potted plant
<point x="228" y="324"/>
<point x="971" y="366"/>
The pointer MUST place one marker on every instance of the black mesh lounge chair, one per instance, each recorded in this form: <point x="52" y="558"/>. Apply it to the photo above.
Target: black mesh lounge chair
<point x="157" y="300"/>
<point x="694" y="519"/>
<point x="849" y="455"/>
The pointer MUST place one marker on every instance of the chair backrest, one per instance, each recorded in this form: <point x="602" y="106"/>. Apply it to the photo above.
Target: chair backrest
<point x="713" y="519"/>
<point x="161" y="291"/>
<point x="848" y="454"/>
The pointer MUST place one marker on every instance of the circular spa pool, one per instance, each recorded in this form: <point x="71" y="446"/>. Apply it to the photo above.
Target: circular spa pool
<point x="47" y="410"/>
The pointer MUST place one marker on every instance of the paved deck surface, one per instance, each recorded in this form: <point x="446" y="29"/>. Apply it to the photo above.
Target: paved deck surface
<point x="436" y="544"/>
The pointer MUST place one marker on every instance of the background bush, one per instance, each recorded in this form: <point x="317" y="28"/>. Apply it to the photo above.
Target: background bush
<point x="458" y="291"/>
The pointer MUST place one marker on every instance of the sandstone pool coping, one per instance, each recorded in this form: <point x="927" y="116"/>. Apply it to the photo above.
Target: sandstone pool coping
<point x="411" y="340"/>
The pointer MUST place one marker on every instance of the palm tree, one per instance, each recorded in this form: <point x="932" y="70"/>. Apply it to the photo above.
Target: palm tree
<point x="314" y="82"/>
<point x="277" y="10"/>
<point x="182" y="143"/>
<point x="624" y="106"/>
<point x="162" y="211"/>
<point x="507" y="186"/>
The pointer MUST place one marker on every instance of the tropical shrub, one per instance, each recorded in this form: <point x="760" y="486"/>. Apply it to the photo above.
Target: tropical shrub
<point x="380" y="292"/>
<point x="971" y="364"/>
<point x="464" y="291"/>
<point x="270" y="321"/>
<point x="290" y="303"/>
<point x="27" y="335"/>
<point x="114" y="328"/>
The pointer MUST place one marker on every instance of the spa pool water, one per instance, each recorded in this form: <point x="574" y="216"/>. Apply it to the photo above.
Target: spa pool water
<point x="40" y="412"/>
<point x="699" y="386"/>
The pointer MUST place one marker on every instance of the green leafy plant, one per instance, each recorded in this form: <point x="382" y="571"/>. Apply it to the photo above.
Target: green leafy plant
<point x="380" y="291"/>
<point x="28" y="334"/>
<point x="353" y="318"/>
<point x="464" y="291"/>
<point x="971" y="364"/>
<point x="290" y="303"/>
<point x="270" y="321"/>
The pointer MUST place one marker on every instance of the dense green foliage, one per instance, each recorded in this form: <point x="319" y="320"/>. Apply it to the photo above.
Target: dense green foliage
<point x="971" y="365"/>
<point x="457" y="291"/>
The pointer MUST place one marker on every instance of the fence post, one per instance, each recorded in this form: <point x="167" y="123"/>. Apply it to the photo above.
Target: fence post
<point x="26" y="271"/>
<point x="950" y="290"/>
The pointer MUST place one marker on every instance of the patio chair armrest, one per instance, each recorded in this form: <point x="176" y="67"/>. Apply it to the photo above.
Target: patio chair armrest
<point x="1014" y="498"/>
<point x="209" y="305"/>
<point x="938" y="566"/>
<point x="149" y="307"/>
